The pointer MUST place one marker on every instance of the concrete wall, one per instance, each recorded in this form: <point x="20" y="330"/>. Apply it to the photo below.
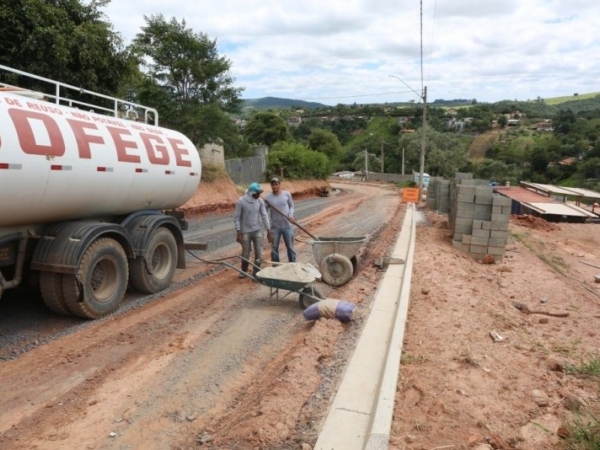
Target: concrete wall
<point x="212" y="154"/>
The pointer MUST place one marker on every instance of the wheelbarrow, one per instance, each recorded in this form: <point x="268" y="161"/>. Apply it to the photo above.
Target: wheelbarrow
<point x="337" y="257"/>
<point x="299" y="278"/>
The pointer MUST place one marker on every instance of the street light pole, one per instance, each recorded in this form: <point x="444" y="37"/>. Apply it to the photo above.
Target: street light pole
<point x="382" y="171"/>
<point x="366" y="165"/>
<point x="402" y="160"/>
<point x="422" y="160"/>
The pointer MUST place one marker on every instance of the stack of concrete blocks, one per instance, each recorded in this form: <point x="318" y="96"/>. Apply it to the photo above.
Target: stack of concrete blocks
<point x="455" y="184"/>
<point x="481" y="221"/>
<point x="437" y="194"/>
<point x="443" y="196"/>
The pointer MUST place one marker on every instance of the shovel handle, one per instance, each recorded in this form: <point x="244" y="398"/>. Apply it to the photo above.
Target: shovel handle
<point x="295" y="223"/>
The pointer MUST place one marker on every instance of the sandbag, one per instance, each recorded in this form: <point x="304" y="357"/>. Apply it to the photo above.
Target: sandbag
<point x="330" y="309"/>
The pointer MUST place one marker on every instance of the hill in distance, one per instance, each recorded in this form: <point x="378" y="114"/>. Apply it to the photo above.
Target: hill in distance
<point x="265" y="103"/>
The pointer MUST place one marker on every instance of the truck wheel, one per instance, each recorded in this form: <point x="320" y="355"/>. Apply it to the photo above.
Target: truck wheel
<point x="336" y="269"/>
<point x="154" y="271"/>
<point x="52" y="293"/>
<point x="305" y="301"/>
<point x="104" y="273"/>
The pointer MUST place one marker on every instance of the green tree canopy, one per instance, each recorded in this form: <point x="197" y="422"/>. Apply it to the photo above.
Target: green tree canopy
<point x="325" y="142"/>
<point x="65" y="40"/>
<point x="187" y="81"/>
<point x="266" y="128"/>
<point x="297" y="161"/>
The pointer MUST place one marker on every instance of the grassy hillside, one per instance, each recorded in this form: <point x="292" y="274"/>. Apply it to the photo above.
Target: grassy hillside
<point x="570" y="98"/>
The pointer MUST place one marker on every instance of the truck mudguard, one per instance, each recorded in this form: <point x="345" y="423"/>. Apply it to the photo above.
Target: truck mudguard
<point x="63" y="245"/>
<point x="141" y="226"/>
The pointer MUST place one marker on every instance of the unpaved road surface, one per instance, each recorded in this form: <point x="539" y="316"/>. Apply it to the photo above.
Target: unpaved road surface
<point x="212" y="362"/>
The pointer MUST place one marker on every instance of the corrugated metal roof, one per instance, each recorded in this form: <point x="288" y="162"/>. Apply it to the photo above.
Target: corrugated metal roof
<point x="559" y="209"/>
<point x="559" y="190"/>
<point x="523" y="195"/>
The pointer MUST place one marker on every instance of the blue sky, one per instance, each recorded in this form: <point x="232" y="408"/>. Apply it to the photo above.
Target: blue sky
<point x="344" y="51"/>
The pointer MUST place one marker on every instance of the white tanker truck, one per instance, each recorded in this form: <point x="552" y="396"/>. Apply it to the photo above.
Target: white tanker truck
<point x="83" y="187"/>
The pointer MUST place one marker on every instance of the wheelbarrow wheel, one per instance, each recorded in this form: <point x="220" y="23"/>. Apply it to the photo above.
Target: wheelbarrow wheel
<point x="305" y="301"/>
<point x="336" y="269"/>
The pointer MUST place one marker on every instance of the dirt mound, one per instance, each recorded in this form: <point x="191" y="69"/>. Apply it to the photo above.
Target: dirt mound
<point x="221" y="195"/>
<point x="536" y="223"/>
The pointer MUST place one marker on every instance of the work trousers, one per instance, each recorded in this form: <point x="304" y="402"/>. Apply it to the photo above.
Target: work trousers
<point x="253" y="239"/>
<point x="288" y="238"/>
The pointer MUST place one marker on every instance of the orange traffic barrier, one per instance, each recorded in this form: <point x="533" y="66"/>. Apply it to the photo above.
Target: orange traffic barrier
<point x="410" y="195"/>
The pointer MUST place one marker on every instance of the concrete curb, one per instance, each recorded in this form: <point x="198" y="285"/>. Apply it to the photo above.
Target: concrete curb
<point x="360" y="416"/>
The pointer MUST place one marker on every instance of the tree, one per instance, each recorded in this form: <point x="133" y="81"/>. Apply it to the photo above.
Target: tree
<point x="297" y="162"/>
<point x="325" y="142"/>
<point x="266" y="128"/>
<point x="502" y="120"/>
<point x="65" y="40"/>
<point x="186" y="79"/>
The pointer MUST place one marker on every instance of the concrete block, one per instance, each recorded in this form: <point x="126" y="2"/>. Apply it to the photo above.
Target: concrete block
<point x="465" y="190"/>
<point x="495" y="234"/>
<point x="506" y="210"/>
<point x="463" y="221"/>
<point x="466" y="238"/>
<point x="479" y="241"/>
<point x="501" y="200"/>
<point x="486" y="225"/>
<point x="496" y="209"/>
<point x="483" y="208"/>
<point x="467" y="198"/>
<point x="500" y="226"/>
<point x="483" y="199"/>
<point x="477" y="224"/>
<point x="458" y="237"/>
<point x="478" y="249"/>
<point x="500" y="218"/>
<point x="460" y="246"/>
<point x="497" y="242"/>
<point x="463" y="229"/>
<point x="465" y="214"/>
<point x="481" y="233"/>
<point x="482" y="215"/>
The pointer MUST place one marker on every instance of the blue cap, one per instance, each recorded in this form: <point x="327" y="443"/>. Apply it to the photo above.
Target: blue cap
<point x="255" y="187"/>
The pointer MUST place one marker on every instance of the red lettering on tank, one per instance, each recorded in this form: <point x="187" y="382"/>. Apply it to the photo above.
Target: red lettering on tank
<point x="13" y="101"/>
<point x="180" y="151"/>
<point x="79" y="115"/>
<point x="157" y="151"/>
<point x="83" y="138"/>
<point x="23" y="119"/>
<point x="44" y="108"/>
<point x="122" y="145"/>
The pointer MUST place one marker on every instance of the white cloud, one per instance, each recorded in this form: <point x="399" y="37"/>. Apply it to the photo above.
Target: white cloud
<point x="343" y="51"/>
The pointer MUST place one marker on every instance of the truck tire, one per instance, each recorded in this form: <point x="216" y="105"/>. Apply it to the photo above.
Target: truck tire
<point x="336" y="269"/>
<point x="103" y="272"/>
<point x="52" y="293"/>
<point x="305" y="301"/>
<point x="155" y="270"/>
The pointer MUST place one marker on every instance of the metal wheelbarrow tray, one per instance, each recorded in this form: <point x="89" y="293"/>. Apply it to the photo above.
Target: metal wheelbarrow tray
<point x="293" y="277"/>
<point x="337" y="257"/>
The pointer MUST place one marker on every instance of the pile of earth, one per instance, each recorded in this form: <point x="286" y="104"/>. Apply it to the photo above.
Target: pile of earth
<point x="536" y="223"/>
<point x="221" y="194"/>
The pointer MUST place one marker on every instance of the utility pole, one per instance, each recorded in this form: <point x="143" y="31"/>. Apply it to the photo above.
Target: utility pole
<point x="366" y="165"/>
<point x="422" y="160"/>
<point x="382" y="171"/>
<point x="402" y="160"/>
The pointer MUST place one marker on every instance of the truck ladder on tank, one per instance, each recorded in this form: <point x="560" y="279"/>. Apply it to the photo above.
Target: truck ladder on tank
<point x="120" y="108"/>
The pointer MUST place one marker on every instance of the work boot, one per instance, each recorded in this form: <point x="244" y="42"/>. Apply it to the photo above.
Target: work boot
<point x="244" y="272"/>
<point x="256" y="267"/>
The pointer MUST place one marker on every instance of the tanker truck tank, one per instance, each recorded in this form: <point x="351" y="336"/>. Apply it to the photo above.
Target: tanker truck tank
<point x="83" y="194"/>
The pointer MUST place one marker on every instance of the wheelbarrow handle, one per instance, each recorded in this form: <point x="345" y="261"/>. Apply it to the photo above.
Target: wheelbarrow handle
<point x="294" y="222"/>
